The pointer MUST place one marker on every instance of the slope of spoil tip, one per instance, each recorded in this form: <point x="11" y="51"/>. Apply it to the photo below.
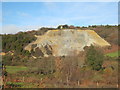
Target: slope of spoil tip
<point x="66" y="42"/>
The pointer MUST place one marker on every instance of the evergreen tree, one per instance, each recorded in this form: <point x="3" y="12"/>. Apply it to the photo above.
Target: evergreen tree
<point x="94" y="58"/>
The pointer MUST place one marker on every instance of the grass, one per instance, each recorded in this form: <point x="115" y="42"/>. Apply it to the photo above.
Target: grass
<point x="113" y="54"/>
<point x="20" y="84"/>
<point x="15" y="69"/>
<point x="15" y="84"/>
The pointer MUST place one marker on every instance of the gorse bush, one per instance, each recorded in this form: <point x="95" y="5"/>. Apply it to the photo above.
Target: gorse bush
<point x="94" y="58"/>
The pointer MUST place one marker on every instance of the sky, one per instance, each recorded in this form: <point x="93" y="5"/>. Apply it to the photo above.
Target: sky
<point x="24" y="16"/>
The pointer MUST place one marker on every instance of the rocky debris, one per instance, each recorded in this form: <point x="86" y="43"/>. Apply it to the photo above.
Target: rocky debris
<point x="65" y="42"/>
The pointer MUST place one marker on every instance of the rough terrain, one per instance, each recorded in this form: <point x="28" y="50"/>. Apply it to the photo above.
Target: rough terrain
<point x="65" y="42"/>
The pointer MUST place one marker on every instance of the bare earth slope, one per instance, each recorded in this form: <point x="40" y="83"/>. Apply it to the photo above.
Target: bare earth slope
<point x="65" y="42"/>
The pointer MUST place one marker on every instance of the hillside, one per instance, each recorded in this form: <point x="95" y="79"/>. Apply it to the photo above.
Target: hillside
<point x="65" y="42"/>
<point x="67" y="59"/>
<point x="18" y="41"/>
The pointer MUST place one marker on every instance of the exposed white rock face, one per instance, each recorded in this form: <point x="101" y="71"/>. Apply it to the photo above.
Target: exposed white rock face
<point x="66" y="42"/>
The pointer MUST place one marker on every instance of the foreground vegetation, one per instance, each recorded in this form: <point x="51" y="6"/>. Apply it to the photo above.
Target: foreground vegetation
<point x="15" y="69"/>
<point x="88" y="69"/>
<point x="113" y="54"/>
<point x="80" y="71"/>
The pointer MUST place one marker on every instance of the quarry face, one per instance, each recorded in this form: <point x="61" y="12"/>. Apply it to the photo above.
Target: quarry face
<point x="65" y="42"/>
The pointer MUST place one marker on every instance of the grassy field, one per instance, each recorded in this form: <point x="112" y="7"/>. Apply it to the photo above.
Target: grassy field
<point x="113" y="54"/>
<point x="21" y="84"/>
<point x="15" y="69"/>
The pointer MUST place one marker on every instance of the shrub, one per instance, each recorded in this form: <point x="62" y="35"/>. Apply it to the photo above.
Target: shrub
<point x="94" y="58"/>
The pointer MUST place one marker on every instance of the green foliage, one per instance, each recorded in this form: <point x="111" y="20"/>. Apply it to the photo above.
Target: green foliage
<point x="7" y="59"/>
<point x="14" y="60"/>
<point x="16" y="42"/>
<point x="15" y="84"/>
<point x="15" y="69"/>
<point x="94" y="58"/>
<point x="113" y="54"/>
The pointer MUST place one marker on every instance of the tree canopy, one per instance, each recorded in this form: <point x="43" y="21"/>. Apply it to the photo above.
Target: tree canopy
<point x="94" y="58"/>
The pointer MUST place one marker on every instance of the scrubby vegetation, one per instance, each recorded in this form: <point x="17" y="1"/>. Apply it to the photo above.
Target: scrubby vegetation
<point x="95" y="58"/>
<point x="90" y="68"/>
<point x="63" y="72"/>
<point x="16" y="43"/>
<point x="66" y="72"/>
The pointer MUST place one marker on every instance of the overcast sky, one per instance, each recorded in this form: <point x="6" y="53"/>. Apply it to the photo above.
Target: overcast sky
<point x="22" y="16"/>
